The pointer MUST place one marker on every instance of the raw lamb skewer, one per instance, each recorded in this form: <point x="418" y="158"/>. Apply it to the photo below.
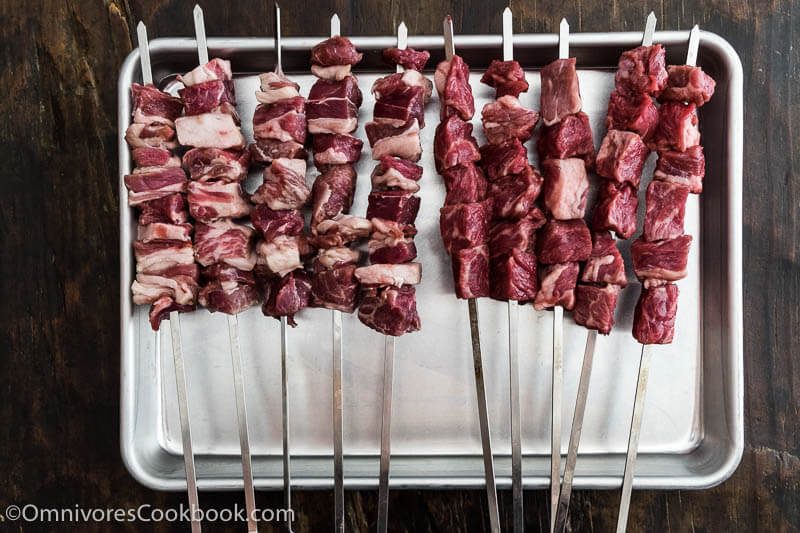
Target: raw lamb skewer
<point x="177" y="351"/>
<point x="585" y="377"/>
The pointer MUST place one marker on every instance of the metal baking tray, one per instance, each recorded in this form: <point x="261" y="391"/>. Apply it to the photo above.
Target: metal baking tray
<point x="693" y="427"/>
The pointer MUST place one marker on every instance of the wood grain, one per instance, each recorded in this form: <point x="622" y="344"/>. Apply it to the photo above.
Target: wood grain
<point x="59" y="363"/>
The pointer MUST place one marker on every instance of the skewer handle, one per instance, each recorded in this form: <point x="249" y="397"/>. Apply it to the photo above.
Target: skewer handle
<point x="338" y="459"/>
<point x="287" y="470"/>
<point x="555" y="429"/>
<point x="516" y="437"/>
<point x="200" y="35"/>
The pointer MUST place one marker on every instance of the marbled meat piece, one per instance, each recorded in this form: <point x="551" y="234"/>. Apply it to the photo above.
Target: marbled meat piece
<point x="661" y="260"/>
<point x="393" y="82"/>
<point x="621" y="157"/>
<point x="634" y="112"/>
<point x="499" y="160"/>
<point x="271" y="223"/>
<point x="594" y="307"/>
<point x="151" y="136"/>
<point x="265" y="151"/>
<point x="332" y="193"/>
<point x="207" y="96"/>
<point x="344" y="89"/>
<point x="216" y="69"/>
<point x="512" y="276"/>
<point x="464" y="184"/>
<point x="605" y="264"/>
<point x="280" y="255"/>
<point x="566" y="187"/>
<point x="228" y="289"/>
<point x="151" y="105"/>
<point x="163" y="307"/>
<point x="169" y="209"/>
<point x="563" y="241"/>
<point x="641" y="70"/>
<point x="164" y="258"/>
<point x="506" y="236"/>
<point x="226" y="242"/>
<point x="334" y="288"/>
<point x="391" y="242"/>
<point x="148" y="288"/>
<point x="408" y="58"/>
<point x="666" y="208"/>
<point x="615" y="209"/>
<point x="210" y="130"/>
<point x="390" y="310"/>
<point x="400" y="106"/>
<point x="400" y="206"/>
<point x="561" y="94"/>
<point x="160" y="231"/>
<point x="471" y="272"/>
<point x="287" y="295"/>
<point x="332" y="58"/>
<point x="465" y="225"/>
<point x="677" y="127"/>
<point x="154" y="157"/>
<point x="686" y="83"/>
<point x="455" y="93"/>
<point x="284" y="185"/>
<point x="507" y="78"/>
<point x="654" y="317"/>
<point x="213" y="164"/>
<point x="513" y="196"/>
<point x="212" y="200"/>
<point x="331" y="115"/>
<point x="390" y="275"/>
<point x="341" y="230"/>
<point x="387" y="140"/>
<point x="336" y="256"/>
<point x="557" y="286"/>
<point x="154" y="183"/>
<point x="284" y="120"/>
<point x="506" y="119"/>
<point x="454" y="144"/>
<point x="275" y="87"/>
<point x="570" y="137"/>
<point x="335" y="149"/>
<point x="393" y="172"/>
<point x="683" y="168"/>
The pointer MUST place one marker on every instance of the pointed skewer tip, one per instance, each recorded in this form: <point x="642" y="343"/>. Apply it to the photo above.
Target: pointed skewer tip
<point x="197" y="9"/>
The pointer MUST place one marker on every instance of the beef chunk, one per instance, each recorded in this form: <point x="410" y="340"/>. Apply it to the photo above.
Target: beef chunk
<point x="594" y="307"/>
<point x="408" y="58"/>
<point x="401" y="141"/>
<point x="334" y="288"/>
<point x="506" y="236"/>
<point x="228" y="289"/>
<point x="207" y="96"/>
<point x="225" y="242"/>
<point x="391" y="242"/>
<point x="471" y="272"/>
<point x="605" y="264"/>
<point x="677" y="127"/>
<point x="661" y="260"/>
<point x="213" y="200"/>
<point x="641" y="70"/>
<point x="400" y="106"/>
<point x="151" y="105"/>
<point x="616" y="209"/>
<point x="563" y="241"/>
<point x="390" y="310"/>
<point x="265" y="151"/>
<point x="636" y="113"/>
<point x="561" y="95"/>
<point x="287" y="295"/>
<point x="284" y="185"/>
<point x="666" y="206"/>
<point x="513" y="196"/>
<point x="686" y="83"/>
<point x="452" y="83"/>
<point x="506" y="119"/>
<point x="513" y="276"/>
<point x="566" y="187"/>
<point x="621" y="157"/>
<point x="498" y="160"/>
<point x="399" y="206"/>
<point x="212" y="164"/>
<point x="654" y="317"/>
<point x="464" y="225"/>
<point x="571" y="137"/>
<point x="683" y="168"/>
<point x="332" y="193"/>
<point x="557" y="286"/>
<point x="507" y="77"/>
<point x="334" y="149"/>
<point x="271" y="223"/>
<point x="154" y="183"/>
<point x="464" y="184"/>
<point x="453" y="144"/>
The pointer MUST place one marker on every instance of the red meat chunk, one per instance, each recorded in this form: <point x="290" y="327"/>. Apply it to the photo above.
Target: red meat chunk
<point x="332" y="193"/>
<point x="453" y="144"/>
<point x="507" y="77"/>
<point x="151" y="105"/>
<point x="408" y="58"/>
<point x="566" y="187"/>
<point x="207" y="96"/>
<point x="464" y="184"/>
<point x="464" y="225"/>
<point x="391" y="243"/>
<point x="287" y="295"/>
<point x="335" y="149"/>
<point x="513" y="276"/>
<point x="228" y="289"/>
<point x="344" y="89"/>
<point x="641" y="70"/>
<point x="605" y="264"/>
<point x="621" y="157"/>
<point x="506" y="236"/>
<point x="452" y="83"/>
<point x="654" y="317"/>
<point x="213" y="164"/>
<point x="284" y="120"/>
<point x="390" y="310"/>
<point x="666" y="206"/>
<point x="561" y="95"/>
<point x="513" y="195"/>
<point x="163" y="307"/>
<point x="335" y="51"/>
<point x="225" y="242"/>
<point x="557" y="286"/>
<point x="152" y="184"/>
<point x="594" y="307"/>
<point x="471" y="272"/>
<point x="169" y="210"/>
<point x="154" y="157"/>
<point x="334" y="288"/>
<point x="661" y="260"/>
<point x="683" y="168"/>
<point x="284" y="185"/>
<point x="571" y="137"/>
<point x="265" y="151"/>
<point x="498" y="160"/>
<point x="506" y="119"/>
<point x="271" y="223"/>
<point x="399" y="206"/>
<point x="400" y="106"/>
<point x="616" y="209"/>
<point x="635" y="112"/>
<point x="687" y="84"/>
<point x="677" y="127"/>
<point x="563" y="241"/>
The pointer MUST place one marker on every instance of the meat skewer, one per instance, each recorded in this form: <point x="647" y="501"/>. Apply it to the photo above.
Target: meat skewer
<point x="660" y="254"/>
<point x="470" y="258"/>
<point x="585" y="377"/>
<point x="177" y="351"/>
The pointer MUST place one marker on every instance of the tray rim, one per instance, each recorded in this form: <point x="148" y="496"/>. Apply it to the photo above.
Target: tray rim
<point x="732" y="366"/>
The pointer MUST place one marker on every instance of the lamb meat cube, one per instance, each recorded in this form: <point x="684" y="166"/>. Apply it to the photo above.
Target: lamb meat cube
<point x="284" y="185"/>
<point x="621" y="157"/>
<point x="605" y="264"/>
<point x="471" y="272"/>
<point x="163" y="307"/>
<point x="393" y="82"/>
<point x="506" y="236"/>
<point x="683" y="168"/>
<point x="160" y="231"/>
<point x="169" y="209"/>
<point x="151" y="136"/>
<point x="570" y="137"/>
<point x="390" y="310"/>
<point x="686" y="83"/>
<point x="408" y="58"/>
<point x="654" y="317"/>
<point x="344" y="89"/>
<point x="154" y="157"/>
<point x="390" y="275"/>
<point x="594" y="307"/>
<point x="616" y="208"/>
<point x="328" y="258"/>
<point x="226" y="242"/>
<point x="391" y="242"/>
<point x="216" y="69"/>
<point x="275" y="87"/>
<point x="207" y="96"/>
<point x="513" y="276"/>
<point x="561" y="94"/>
<point x="148" y="288"/>
<point x="287" y="295"/>
<point x="566" y="187"/>
<point x="332" y="193"/>
<point x="331" y="115"/>
<point x="661" y="260"/>
<point x="281" y="255"/>
<point x="332" y="58"/>
<point x="162" y="257"/>
<point x="153" y="184"/>
<point x="393" y="172"/>
<point x="513" y="196"/>
<point x="666" y="206"/>
<point x="464" y="225"/>
<point x="228" y="290"/>
<point x="507" y="78"/>
<point x="557" y="286"/>
<point x="209" y="130"/>
<point x="334" y="288"/>
<point x="641" y="70"/>
<point x="634" y="112"/>
<point x="213" y="164"/>
<point x="265" y="151"/>
<point x="498" y="160"/>
<point x="212" y="200"/>
<point x="271" y="223"/>
<point x="677" y="127"/>
<point x="334" y="149"/>
<point x="400" y="106"/>
<point x="399" y="206"/>
<point x="151" y="105"/>
<point x="453" y="144"/>
<point x="341" y="230"/>
<point x="464" y="184"/>
<point x="387" y="140"/>
<point x="455" y="93"/>
<point x="506" y="119"/>
<point x="563" y="241"/>
<point x="284" y="120"/>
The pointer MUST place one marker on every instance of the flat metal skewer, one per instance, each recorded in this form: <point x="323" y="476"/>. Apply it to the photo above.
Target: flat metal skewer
<point x="200" y="35"/>
<point x="388" y="381"/>
<point x="175" y="333"/>
<point x="644" y="371"/>
<point x="480" y="388"/>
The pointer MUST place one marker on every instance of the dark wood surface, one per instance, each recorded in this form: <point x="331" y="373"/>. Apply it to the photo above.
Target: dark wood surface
<point x="59" y="357"/>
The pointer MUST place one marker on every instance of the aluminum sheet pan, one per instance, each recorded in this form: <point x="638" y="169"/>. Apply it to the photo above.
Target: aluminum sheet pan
<point x="693" y="427"/>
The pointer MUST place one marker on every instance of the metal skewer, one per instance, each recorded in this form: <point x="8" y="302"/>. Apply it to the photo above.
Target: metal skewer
<point x="644" y="371"/>
<point x="480" y="389"/>
<point x="175" y="332"/>
<point x="388" y="381"/>
<point x="233" y="335"/>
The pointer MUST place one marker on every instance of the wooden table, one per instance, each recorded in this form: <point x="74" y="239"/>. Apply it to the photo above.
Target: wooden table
<point x="59" y="360"/>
